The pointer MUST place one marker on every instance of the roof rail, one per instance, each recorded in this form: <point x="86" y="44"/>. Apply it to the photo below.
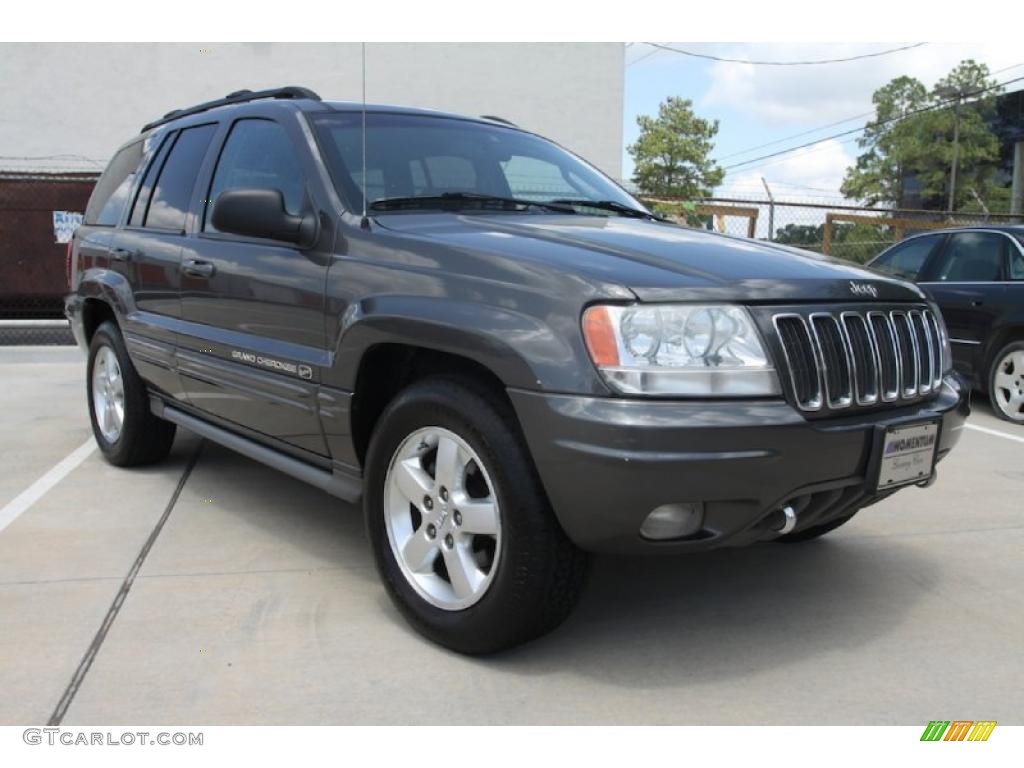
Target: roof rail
<point x="497" y="119"/>
<point x="238" y="97"/>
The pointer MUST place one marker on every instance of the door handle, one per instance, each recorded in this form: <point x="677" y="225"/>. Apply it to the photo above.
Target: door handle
<point x="977" y="302"/>
<point x="197" y="268"/>
<point x="124" y="254"/>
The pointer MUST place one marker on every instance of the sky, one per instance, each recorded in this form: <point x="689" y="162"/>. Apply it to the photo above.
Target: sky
<point x="757" y="104"/>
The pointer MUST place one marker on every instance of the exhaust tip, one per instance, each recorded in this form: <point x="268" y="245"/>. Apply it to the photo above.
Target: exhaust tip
<point x="789" y="520"/>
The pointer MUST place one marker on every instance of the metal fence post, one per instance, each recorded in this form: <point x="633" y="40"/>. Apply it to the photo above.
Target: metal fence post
<point x="771" y="210"/>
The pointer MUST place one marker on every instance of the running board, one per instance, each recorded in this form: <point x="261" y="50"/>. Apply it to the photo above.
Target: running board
<point x="342" y="485"/>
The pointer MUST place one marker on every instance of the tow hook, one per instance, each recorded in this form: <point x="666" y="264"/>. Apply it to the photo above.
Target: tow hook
<point x="930" y="481"/>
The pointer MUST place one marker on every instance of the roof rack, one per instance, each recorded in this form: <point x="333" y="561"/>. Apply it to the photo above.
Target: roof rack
<point x="497" y="119"/>
<point x="238" y="97"/>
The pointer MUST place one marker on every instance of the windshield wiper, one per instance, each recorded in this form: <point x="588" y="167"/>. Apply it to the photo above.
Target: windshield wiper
<point x="452" y="200"/>
<point x="608" y="205"/>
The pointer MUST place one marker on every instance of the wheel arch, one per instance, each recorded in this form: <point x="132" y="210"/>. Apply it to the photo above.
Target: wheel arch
<point x="1005" y="334"/>
<point x="387" y="368"/>
<point x="105" y="295"/>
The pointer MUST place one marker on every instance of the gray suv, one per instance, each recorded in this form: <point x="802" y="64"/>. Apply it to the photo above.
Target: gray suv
<point x="504" y="355"/>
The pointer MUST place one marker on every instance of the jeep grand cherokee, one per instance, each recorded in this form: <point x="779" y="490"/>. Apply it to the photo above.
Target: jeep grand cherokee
<point x="507" y="357"/>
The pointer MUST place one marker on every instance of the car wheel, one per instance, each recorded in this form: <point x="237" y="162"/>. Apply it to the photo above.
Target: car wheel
<point x="1006" y="382"/>
<point x="814" y="532"/>
<point x="462" y="532"/>
<point x="126" y="431"/>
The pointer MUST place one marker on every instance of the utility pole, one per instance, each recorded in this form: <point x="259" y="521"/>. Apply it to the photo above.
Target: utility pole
<point x="771" y="211"/>
<point x="956" y="147"/>
<point x="958" y="93"/>
<point x="1017" y="190"/>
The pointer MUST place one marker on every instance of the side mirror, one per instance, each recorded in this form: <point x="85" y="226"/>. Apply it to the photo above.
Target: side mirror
<point x="261" y="213"/>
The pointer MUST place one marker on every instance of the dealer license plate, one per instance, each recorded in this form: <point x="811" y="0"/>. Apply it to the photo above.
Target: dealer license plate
<point x="908" y="454"/>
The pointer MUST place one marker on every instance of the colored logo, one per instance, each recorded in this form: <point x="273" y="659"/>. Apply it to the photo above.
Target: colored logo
<point x="958" y="730"/>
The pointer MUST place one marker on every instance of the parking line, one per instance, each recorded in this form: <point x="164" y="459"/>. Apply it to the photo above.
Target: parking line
<point x="115" y="607"/>
<point x="38" y="489"/>
<point x="996" y="432"/>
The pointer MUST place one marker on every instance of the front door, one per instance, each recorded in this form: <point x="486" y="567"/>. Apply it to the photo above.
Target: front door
<point x="966" y="279"/>
<point x="253" y="338"/>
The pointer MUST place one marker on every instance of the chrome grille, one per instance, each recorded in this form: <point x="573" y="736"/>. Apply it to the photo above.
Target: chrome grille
<point x="860" y="357"/>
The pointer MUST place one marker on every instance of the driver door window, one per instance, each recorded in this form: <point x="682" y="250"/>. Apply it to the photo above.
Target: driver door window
<point x="257" y="155"/>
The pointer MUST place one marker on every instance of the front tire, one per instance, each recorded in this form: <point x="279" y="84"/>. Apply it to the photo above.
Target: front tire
<point x="125" y="429"/>
<point x="1006" y="383"/>
<point x="462" y="533"/>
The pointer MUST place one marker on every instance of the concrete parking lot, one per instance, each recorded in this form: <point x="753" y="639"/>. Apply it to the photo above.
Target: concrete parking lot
<point x="253" y="599"/>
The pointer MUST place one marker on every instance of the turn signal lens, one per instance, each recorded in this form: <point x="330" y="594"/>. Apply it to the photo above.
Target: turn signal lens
<point x="600" y="336"/>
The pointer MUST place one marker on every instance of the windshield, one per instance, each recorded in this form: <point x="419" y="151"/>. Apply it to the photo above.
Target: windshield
<point x="426" y="162"/>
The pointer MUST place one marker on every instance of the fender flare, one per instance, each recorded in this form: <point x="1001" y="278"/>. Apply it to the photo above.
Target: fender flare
<point x="522" y="351"/>
<point x="110" y="287"/>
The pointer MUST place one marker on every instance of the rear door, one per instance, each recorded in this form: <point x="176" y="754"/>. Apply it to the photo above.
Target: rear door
<point x="967" y="280"/>
<point x="253" y="308"/>
<point x="107" y="206"/>
<point x="148" y="249"/>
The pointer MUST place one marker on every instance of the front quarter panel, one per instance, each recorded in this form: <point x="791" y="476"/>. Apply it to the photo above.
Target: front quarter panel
<point x="519" y="321"/>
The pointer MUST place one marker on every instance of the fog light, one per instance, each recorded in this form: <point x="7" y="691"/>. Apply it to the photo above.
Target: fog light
<point x="673" y="521"/>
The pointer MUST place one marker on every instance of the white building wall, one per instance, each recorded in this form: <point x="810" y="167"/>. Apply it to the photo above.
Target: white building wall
<point x="73" y="104"/>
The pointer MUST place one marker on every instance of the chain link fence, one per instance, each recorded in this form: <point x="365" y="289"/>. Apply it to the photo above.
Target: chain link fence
<point x="853" y="233"/>
<point x="38" y="211"/>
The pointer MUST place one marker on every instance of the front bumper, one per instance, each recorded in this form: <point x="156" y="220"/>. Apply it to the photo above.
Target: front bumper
<point x="608" y="462"/>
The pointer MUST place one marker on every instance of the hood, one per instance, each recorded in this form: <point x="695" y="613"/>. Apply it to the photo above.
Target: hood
<point x="658" y="261"/>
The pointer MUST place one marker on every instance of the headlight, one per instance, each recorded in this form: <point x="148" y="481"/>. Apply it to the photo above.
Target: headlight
<point x="679" y="349"/>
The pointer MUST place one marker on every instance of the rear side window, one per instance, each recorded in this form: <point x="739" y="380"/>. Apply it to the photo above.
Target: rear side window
<point x="971" y="257"/>
<point x="174" y="185"/>
<point x="906" y="259"/>
<point x="110" y="195"/>
<point x="258" y="155"/>
<point x="1017" y="262"/>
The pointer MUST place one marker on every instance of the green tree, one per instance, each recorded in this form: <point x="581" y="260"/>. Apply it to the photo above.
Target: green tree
<point x="893" y="143"/>
<point x="671" y="154"/>
<point x="903" y="141"/>
<point x="807" y="236"/>
<point x="977" y="145"/>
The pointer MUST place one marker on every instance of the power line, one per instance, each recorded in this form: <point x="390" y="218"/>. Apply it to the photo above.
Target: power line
<point x="696" y="55"/>
<point x="797" y="135"/>
<point x="912" y="113"/>
<point x="832" y="125"/>
<point x="645" y="56"/>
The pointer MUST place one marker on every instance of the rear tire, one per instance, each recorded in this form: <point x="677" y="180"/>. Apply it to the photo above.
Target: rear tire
<point x="514" y="575"/>
<point x="1006" y="383"/>
<point x="125" y="429"/>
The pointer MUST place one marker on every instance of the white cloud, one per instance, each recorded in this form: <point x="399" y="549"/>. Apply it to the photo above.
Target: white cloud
<point x="824" y="93"/>
<point x="814" y="172"/>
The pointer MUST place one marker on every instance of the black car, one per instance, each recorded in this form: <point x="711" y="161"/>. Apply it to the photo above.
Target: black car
<point x="976" y="276"/>
<point x="501" y="352"/>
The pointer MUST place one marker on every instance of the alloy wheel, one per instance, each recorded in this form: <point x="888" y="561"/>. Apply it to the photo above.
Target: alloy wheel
<point x="108" y="394"/>
<point x="1008" y="385"/>
<point x="442" y="517"/>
